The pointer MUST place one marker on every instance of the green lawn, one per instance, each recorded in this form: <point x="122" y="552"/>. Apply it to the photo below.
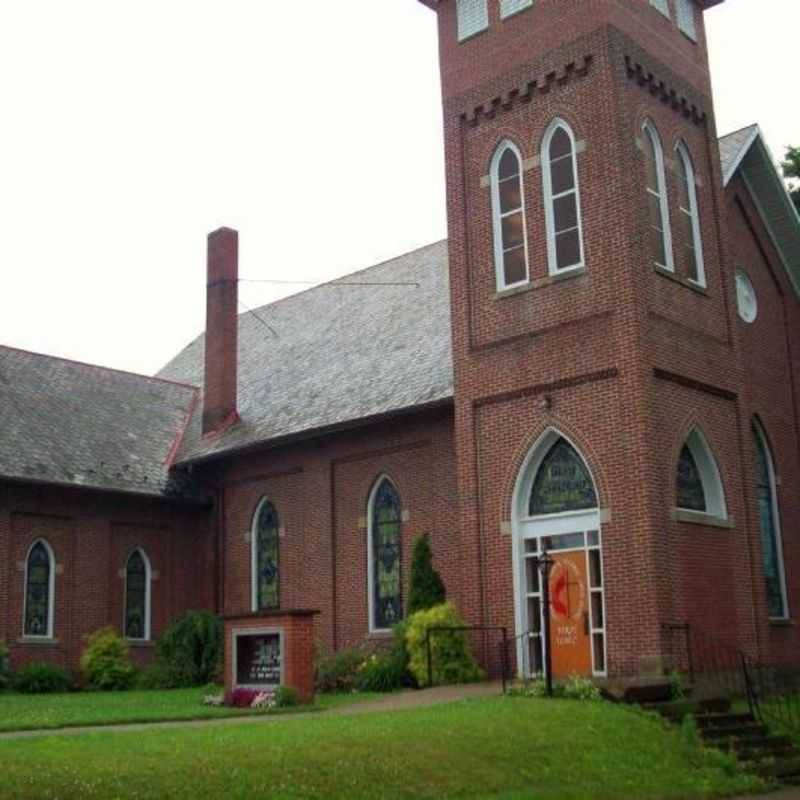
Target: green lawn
<point x="29" y="712"/>
<point x="498" y="747"/>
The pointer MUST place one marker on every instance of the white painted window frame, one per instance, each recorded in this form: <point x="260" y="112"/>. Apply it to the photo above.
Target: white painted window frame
<point x="498" y="216"/>
<point x="759" y="431"/>
<point x="550" y="198"/>
<point x="649" y="129"/>
<point x="686" y="18"/>
<point x="463" y="15"/>
<point x="685" y="159"/>
<point x="510" y="7"/>
<point x="706" y="462"/>
<point x="254" y="551"/>
<point x="148" y="571"/>
<point x="51" y="593"/>
<point x="370" y="549"/>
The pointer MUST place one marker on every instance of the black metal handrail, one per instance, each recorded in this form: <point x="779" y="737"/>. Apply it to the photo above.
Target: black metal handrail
<point x="772" y="692"/>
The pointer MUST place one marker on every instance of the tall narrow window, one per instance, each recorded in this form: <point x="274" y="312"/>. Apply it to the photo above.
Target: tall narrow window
<point x="698" y="485"/>
<point x="509" y="7"/>
<point x="508" y="212"/>
<point x="385" y="553"/>
<point x="473" y="17"/>
<point x="769" y="522"/>
<point x="266" y="557"/>
<point x="137" y="597"/>
<point x="656" y="184"/>
<point x="686" y="21"/>
<point x="39" y="591"/>
<point x="690" y="214"/>
<point x="562" y="202"/>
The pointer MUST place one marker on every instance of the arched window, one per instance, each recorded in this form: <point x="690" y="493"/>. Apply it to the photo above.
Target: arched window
<point x="562" y="203"/>
<point x="385" y="556"/>
<point x="698" y="486"/>
<point x="137" y="597"/>
<point x="508" y="215"/>
<point x="266" y="557"/>
<point x="690" y="214"/>
<point x="770" y="525"/>
<point x="563" y="482"/>
<point x="39" y="591"/>
<point x="656" y="185"/>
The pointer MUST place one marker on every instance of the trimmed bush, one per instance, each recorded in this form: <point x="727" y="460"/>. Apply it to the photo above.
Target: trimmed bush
<point x="5" y="666"/>
<point x="426" y="587"/>
<point x="105" y="662"/>
<point x="286" y="697"/>
<point x="450" y="650"/>
<point x="191" y="650"/>
<point x="339" y="672"/>
<point x="41" y="679"/>
<point x="153" y="677"/>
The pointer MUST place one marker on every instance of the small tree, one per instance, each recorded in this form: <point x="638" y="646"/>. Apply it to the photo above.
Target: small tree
<point x="426" y="587"/>
<point x="791" y="171"/>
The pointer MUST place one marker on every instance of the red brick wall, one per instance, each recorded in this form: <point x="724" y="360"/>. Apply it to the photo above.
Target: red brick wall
<point x="320" y="490"/>
<point x="91" y="536"/>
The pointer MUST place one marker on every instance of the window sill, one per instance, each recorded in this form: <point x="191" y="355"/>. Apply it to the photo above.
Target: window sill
<point x="44" y="641"/>
<point x="782" y="623"/>
<point x="671" y="276"/>
<point x="516" y="13"/>
<point x="470" y="36"/>
<point x="539" y="283"/>
<point x="699" y="518"/>
<point x="379" y="635"/>
<point x="147" y="643"/>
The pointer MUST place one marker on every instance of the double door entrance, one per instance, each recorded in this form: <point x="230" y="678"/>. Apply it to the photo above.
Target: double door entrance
<point x="577" y="609"/>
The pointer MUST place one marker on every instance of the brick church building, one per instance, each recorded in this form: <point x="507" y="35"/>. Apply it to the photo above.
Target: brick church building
<point x="602" y="360"/>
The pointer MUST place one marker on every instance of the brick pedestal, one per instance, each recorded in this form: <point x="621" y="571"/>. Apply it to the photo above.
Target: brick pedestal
<point x="294" y="630"/>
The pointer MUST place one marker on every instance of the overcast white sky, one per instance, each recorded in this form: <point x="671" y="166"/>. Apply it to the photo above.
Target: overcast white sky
<point x="130" y="128"/>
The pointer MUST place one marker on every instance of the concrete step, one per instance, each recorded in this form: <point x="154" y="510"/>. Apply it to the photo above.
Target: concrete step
<point x="782" y="770"/>
<point x="765" y="747"/>
<point x="714" y="721"/>
<point x="750" y="730"/>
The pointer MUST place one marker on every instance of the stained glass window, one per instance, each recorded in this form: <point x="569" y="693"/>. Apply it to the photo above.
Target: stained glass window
<point x="771" y="556"/>
<point x="691" y="494"/>
<point x="136" y="579"/>
<point x="267" y="558"/>
<point x="37" y="591"/>
<point x="387" y="601"/>
<point x="563" y="482"/>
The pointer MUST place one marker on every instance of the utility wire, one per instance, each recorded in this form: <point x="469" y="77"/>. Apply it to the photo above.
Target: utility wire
<point x="330" y="284"/>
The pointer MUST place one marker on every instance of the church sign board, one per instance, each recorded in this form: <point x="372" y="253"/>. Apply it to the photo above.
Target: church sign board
<point x="259" y="658"/>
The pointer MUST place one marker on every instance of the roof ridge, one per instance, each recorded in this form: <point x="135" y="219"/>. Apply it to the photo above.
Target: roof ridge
<point x="99" y="367"/>
<point x="738" y="130"/>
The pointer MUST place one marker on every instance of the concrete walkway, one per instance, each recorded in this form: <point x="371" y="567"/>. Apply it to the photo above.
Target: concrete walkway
<point x="396" y="701"/>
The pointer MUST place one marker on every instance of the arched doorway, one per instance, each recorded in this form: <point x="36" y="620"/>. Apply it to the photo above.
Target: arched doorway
<point x="556" y="508"/>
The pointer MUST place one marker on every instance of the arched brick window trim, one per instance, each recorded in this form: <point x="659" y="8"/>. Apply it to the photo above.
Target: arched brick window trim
<point x="698" y="484"/>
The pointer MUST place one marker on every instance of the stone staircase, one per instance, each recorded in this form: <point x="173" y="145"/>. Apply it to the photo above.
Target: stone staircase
<point x="774" y="757"/>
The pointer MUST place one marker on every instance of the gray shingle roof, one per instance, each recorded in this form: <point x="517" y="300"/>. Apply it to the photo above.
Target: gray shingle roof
<point x="72" y="423"/>
<point x="343" y="353"/>
<point x="731" y="147"/>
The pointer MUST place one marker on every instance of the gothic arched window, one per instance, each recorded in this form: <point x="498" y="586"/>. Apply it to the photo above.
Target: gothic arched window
<point x="562" y="202"/>
<point x="266" y="557"/>
<point x="562" y="483"/>
<point x="698" y="486"/>
<point x="508" y="216"/>
<point x="689" y="212"/>
<point x="39" y="591"/>
<point x="657" y="207"/>
<point x="770" y="526"/>
<point x="385" y="556"/>
<point x="137" y="597"/>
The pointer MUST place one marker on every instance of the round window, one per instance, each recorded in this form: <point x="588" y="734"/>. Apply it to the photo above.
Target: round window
<point x="746" y="297"/>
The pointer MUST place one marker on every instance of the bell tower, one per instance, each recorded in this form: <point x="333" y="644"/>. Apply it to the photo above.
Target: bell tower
<point x="587" y="260"/>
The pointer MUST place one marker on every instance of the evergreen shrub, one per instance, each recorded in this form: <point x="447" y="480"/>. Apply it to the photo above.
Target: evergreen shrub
<point x="105" y="662"/>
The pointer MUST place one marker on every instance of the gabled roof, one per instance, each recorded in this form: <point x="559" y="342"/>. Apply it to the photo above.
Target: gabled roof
<point x="345" y="352"/>
<point x="64" y="422"/>
<point x="745" y="153"/>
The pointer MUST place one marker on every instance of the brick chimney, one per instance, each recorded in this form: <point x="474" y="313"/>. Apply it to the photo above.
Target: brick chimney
<point x="222" y="292"/>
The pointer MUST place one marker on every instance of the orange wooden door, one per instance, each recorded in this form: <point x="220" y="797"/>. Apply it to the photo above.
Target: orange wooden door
<point x="569" y="615"/>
